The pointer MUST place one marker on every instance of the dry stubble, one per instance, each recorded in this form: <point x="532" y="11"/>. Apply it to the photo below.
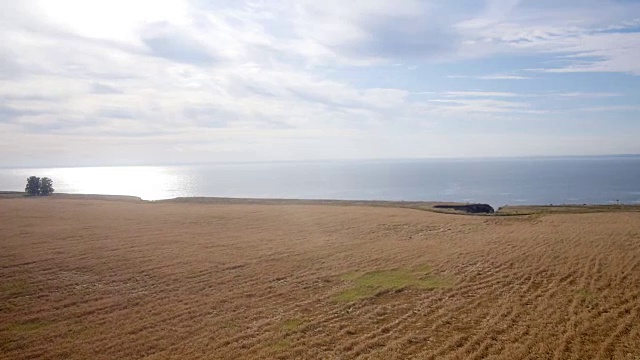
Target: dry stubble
<point x="114" y="279"/>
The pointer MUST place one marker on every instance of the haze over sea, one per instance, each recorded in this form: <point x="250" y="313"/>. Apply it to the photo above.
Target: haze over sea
<point x="570" y="180"/>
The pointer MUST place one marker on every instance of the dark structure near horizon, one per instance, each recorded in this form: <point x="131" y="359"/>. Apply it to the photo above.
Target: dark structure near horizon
<point x="469" y="208"/>
<point x="39" y="187"/>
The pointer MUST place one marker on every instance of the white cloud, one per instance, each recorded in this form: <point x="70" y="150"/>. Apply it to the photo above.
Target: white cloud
<point x="609" y="108"/>
<point x="229" y="77"/>
<point x="472" y="106"/>
<point x="480" y="94"/>
<point x="503" y="77"/>
<point x="593" y="39"/>
<point x="118" y="20"/>
<point x="581" y="94"/>
<point x="490" y="77"/>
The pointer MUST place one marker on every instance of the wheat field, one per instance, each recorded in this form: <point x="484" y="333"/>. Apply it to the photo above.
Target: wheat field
<point x="96" y="279"/>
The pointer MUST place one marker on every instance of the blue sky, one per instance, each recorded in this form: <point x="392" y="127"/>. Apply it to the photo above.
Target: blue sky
<point x="146" y="82"/>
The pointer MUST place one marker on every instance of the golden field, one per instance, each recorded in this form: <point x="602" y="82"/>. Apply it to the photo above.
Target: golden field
<point x="122" y="279"/>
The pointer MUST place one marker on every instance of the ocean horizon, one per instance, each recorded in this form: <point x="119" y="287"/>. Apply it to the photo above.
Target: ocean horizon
<point x="496" y="181"/>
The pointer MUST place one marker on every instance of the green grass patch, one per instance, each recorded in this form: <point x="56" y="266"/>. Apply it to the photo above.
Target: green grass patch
<point x="351" y="276"/>
<point x="14" y="289"/>
<point x="281" y="345"/>
<point x="365" y="285"/>
<point x="564" y="209"/>
<point x="229" y="325"/>
<point x="25" y="327"/>
<point x="589" y="297"/>
<point x="422" y="269"/>
<point x="291" y="325"/>
<point x="585" y="293"/>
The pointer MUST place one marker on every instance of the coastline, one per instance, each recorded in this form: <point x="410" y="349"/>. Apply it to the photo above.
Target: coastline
<point x="507" y="210"/>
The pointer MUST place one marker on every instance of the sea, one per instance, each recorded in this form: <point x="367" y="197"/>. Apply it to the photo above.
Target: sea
<point x="498" y="182"/>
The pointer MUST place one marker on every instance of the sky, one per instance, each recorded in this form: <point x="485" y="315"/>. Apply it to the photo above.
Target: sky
<point x="131" y="82"/>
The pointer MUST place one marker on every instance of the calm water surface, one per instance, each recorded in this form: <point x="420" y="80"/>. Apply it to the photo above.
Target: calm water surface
<point x="600" y="180"/>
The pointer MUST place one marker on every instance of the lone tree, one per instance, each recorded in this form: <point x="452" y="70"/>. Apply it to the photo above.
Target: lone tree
<point x="33" y="186"/>
<point x="46" y="186"/>
<point x="39" y="187"/>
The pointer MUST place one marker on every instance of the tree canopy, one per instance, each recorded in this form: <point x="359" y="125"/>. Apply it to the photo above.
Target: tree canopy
<point x="46" y="186"/>
<point x="33" y="186"/>
<point x="39" y="187"/>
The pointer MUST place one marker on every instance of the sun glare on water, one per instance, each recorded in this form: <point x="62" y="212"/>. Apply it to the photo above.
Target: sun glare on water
<point x="147" y="182"/>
